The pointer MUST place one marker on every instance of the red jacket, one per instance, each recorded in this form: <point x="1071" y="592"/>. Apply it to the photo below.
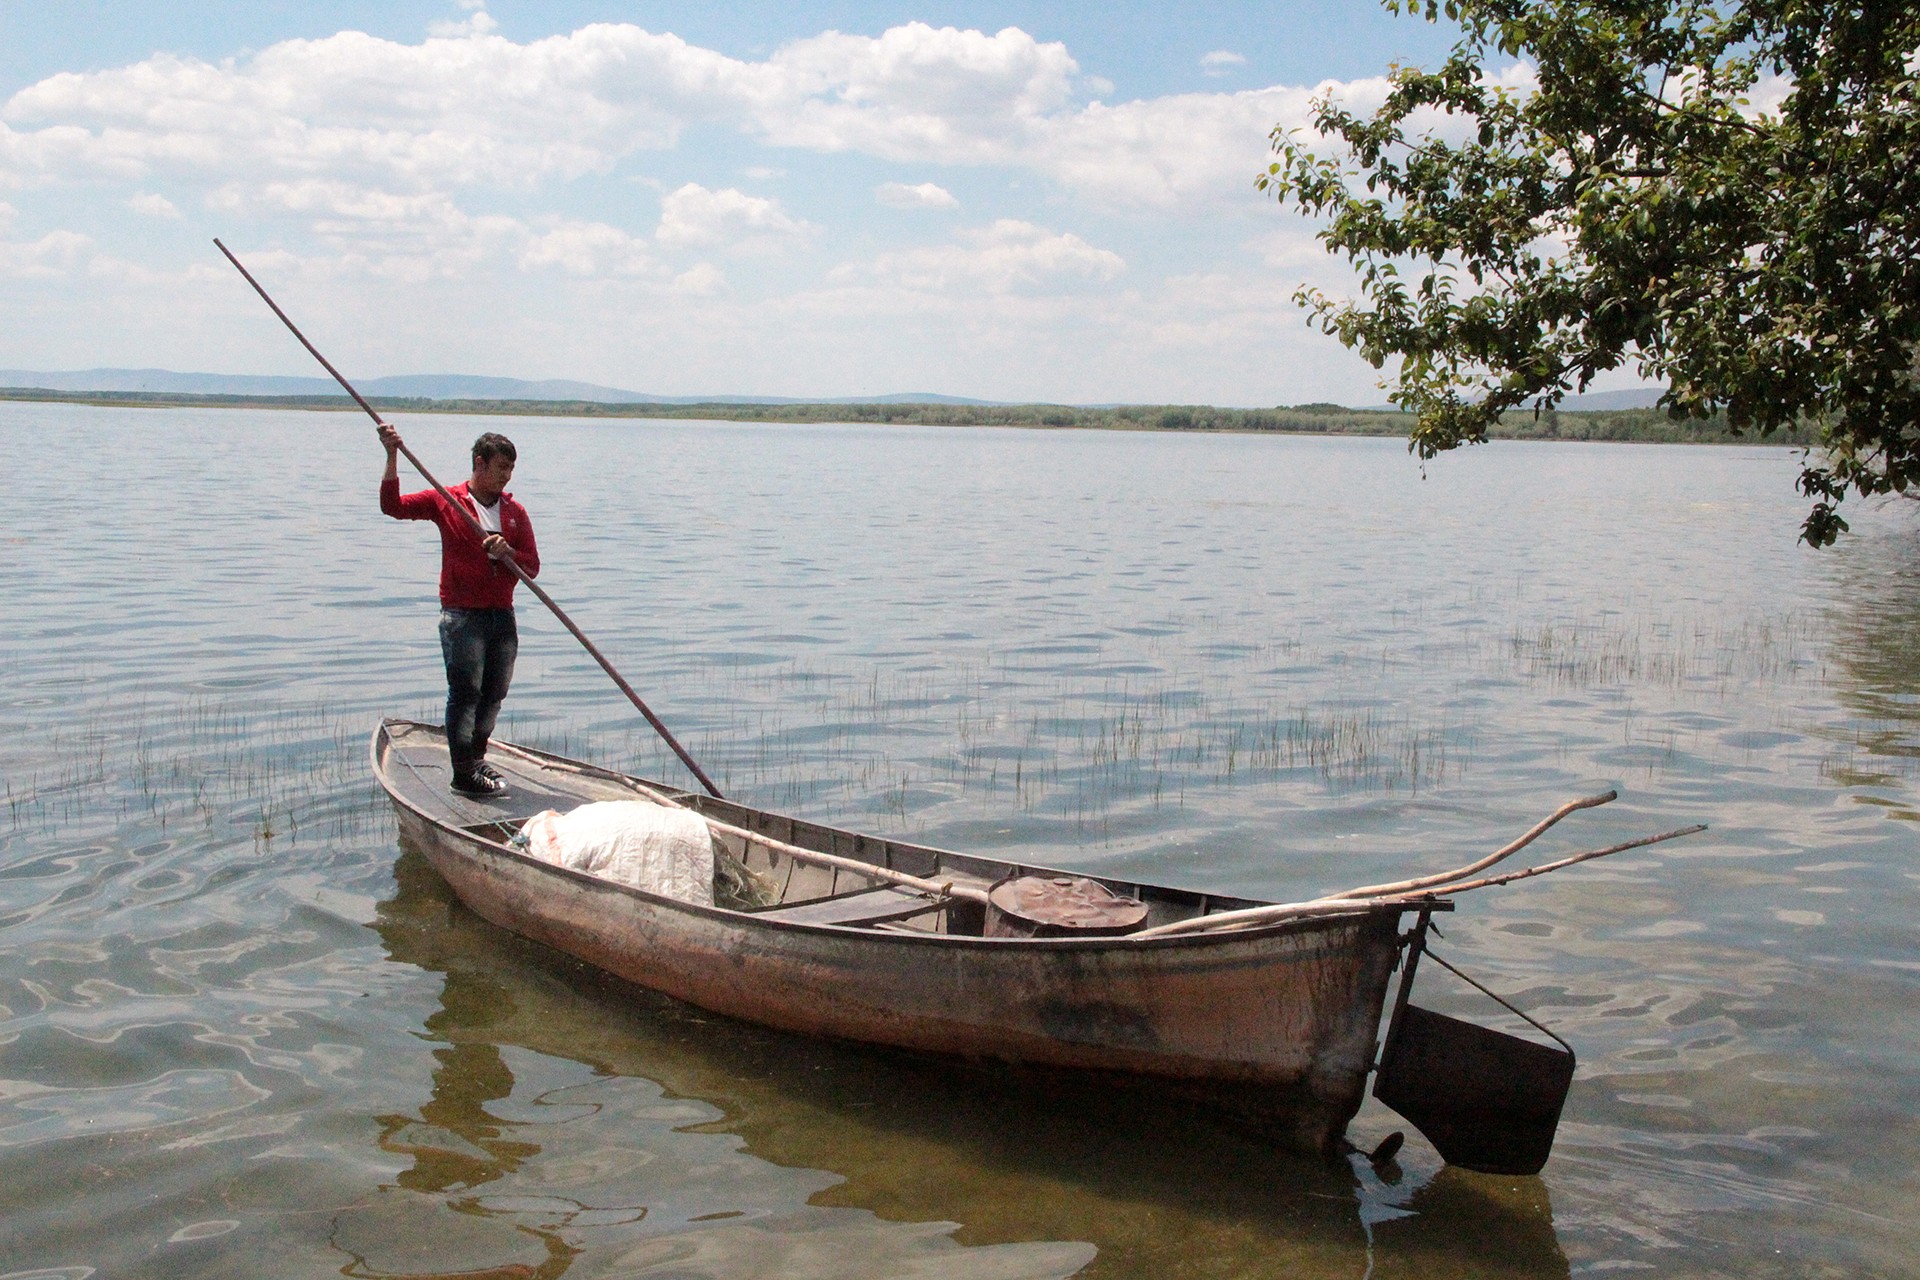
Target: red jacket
<point x="469" y="577"/>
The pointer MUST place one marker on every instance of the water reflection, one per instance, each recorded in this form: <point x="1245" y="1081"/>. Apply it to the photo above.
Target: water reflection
<point x="1013" y="1176"/>
<point x="1876" y="619"/>
<point x="456" y="1143"/>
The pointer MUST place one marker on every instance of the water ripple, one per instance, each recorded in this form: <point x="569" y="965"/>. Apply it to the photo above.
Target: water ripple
<point x="235" y="1024"/>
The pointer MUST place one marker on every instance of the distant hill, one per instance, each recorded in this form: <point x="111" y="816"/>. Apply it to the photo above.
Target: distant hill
<point x="1652" y="425"/>
<point x="1602" y="401"/>
<point x="898" y="397"/>
<point x="460" y="386"/>
<point x="464" y="386"/>
<point x="426" y="386"/>
<point x="166" y="381"/>
<point x="420" y="386"/>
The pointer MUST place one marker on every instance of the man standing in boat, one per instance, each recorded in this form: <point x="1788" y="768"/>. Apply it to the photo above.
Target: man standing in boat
<point x="478" y="637"/>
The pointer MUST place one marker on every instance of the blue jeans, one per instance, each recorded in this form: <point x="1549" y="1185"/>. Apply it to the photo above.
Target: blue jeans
<point x="479" y="646"/>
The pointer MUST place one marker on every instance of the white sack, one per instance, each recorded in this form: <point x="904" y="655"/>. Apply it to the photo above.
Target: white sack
<point x="655" y="847"/>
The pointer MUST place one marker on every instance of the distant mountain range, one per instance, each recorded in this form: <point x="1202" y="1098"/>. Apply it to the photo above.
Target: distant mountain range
<point x="460" y="386"/>
<point x="423" y="386"/>
<point x="1632" y="398"/>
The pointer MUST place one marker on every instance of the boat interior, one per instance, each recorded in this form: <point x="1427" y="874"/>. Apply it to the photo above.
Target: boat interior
<point x="780" y="885"/>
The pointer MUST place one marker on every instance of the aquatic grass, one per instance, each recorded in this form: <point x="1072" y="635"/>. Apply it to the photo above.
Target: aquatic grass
<point x="1123" y="724"/>
<point x="823" y="738"/>
<point x="1195" y="706"/>
<point x="201" y="762"/>
<point x="1587" y="651"/>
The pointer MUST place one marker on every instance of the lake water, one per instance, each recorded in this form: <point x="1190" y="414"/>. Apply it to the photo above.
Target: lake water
<point x="244" y="1032"/>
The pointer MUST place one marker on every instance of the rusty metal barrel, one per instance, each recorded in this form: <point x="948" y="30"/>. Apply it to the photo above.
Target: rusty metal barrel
<point x="1060" y="907"/>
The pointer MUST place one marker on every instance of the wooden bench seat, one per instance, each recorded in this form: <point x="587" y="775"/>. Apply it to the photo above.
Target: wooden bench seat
<point x="866" y="906"/>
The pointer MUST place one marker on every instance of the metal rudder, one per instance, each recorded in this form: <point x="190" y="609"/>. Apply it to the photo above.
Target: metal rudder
<point x="1487" y="1101"/>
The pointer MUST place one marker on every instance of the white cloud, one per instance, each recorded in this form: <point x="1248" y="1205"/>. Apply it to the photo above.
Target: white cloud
<point x="916" y="93"/>
<point x="53" y="254"/>
<point x="408" y="236"/>
<point x="1293" y="246"/>
<point x="360" y="168"/>
<point x="369" y="220"/>
<point x="923" y="195"/>
<point x="483" y="110"/>
<point x="1210" y="336"/>
<point x="344" y="201"/>
<point x="695" y="217"/>
<point x="1770" y="93"/>
<point x="479" y="109"/>
<point x="126" y="272"/>
<point x="587" y="249"/>
<point x="1221" y="61"/>
<point x="1169" y="150"/>
<point x="152" y="205"/>
<point x="478" y="25"/>
<point x="1005" y="256"/>
<point x="701" y="280"/>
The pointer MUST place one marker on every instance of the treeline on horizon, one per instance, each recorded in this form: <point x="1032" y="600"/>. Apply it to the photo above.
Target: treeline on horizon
<point x="1651" y="425"/>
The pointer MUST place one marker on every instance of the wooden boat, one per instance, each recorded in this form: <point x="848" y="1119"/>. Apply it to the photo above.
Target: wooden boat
<point x="1276" y="1025"/>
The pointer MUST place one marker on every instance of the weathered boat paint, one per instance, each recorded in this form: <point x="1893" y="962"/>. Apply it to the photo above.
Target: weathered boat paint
<point x="1274" y="1025"/>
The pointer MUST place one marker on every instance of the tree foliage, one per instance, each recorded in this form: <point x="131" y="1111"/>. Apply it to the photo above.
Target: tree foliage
<point x="1725" y="198"/>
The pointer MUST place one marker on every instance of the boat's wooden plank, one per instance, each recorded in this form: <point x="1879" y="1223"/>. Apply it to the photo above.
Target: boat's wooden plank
<point x="912" y="859"/>
<point x="869" y="906"/>
<point x="422" y="773"/>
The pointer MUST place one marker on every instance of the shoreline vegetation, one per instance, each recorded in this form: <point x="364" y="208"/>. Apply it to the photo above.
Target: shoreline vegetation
<point x="1643" y="425"/>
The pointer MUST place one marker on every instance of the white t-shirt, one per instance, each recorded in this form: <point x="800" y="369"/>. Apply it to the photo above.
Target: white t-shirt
<point x="489" y="515"/>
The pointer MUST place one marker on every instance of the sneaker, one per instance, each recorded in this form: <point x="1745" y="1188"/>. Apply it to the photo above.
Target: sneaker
<point x="479" y="785"/>
<point x="486" y="770"/>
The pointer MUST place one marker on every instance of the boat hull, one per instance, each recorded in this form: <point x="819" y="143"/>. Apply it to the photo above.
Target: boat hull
<point x="1276" y="1026"/>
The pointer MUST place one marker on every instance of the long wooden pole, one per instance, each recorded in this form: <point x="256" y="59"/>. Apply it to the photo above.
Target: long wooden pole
<point x="1434" y="882"/>
<point x="474" y="525"/>
<point x="1333" y="904"/>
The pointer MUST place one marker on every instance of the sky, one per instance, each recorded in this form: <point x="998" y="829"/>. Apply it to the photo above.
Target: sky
<point x="1012" y="201"/>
